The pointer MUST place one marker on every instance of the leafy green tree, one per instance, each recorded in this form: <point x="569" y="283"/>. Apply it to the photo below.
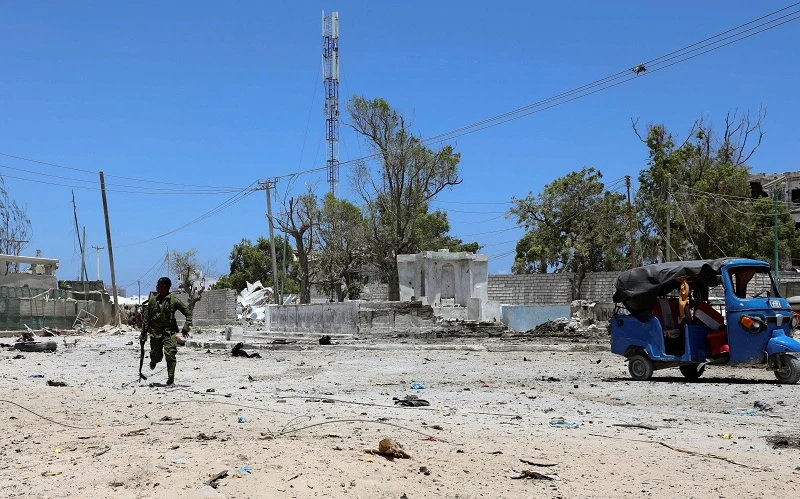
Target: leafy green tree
<point x="15" y="226"/>
<point x="343" y="248"/>
<point x="688" y="183"/>
<point x="759" y="242"/>
<point x="431" y="234"/>
<point x="252" y="262"/>
<point x="397" y="194"/>
<point x="575" y="225"/>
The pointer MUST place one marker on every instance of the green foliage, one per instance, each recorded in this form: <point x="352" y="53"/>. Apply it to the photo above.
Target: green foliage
<point x="702" y="186"/>
<point x="342" y="235"/>
<point x="253" y="262"/>
<point x="574" y="225"/>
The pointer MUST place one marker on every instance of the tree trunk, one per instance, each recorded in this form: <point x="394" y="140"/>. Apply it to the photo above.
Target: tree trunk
<point x="393" y="278"/>
<point x="577" y="281"/>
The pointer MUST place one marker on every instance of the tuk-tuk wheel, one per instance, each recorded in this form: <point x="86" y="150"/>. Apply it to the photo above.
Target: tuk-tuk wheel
<point x="692" y="371"/>
<point x="789" y="372"/>
<point x="641" y="367"/>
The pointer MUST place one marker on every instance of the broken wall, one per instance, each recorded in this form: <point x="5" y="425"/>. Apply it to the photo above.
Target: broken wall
<point x="216" y="306"/>
<point x="340" y="318"/>
<point x="38" y="308"/>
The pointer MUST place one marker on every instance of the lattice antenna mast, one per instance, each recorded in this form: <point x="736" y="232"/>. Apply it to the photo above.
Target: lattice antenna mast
<point x="330" y="79"/>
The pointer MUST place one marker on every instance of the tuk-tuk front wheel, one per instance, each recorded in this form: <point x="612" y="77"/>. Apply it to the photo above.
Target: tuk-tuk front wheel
<point x="641" y="367"/>
<point x="789" y="372"/>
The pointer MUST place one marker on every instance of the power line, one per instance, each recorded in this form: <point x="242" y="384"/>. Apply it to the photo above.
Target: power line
<point x="678" y="56"/>
<point x="182" y="184"/>
<point x="222" y="206"/>
<point x="149" y="190"/>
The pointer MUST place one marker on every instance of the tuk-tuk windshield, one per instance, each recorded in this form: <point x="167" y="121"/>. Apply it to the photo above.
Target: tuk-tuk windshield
<point x="753" y="282"/>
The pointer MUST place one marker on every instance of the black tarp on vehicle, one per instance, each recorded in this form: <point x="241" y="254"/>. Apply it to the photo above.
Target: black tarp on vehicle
<point x="638" y="289"/>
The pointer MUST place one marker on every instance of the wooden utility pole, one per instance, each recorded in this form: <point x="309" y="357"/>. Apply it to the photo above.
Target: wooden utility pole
<point x="668" y="249"/>
<point x="630" y="221"/>
<point x="268" y="186"/>
<point x="110" y="251"/>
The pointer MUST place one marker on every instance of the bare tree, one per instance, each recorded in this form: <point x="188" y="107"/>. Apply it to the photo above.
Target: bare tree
<point x="15" y="226"/>
<point x="191" y="275"/>
<point x="299" y="219"/>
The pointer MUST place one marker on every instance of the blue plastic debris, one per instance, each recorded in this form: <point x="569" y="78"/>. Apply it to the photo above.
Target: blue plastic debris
<point x="36" y="375"/>
<point x="241" y="419"/>
<point x="417" y="386"/>
<point x="244" y="470"/>
<point x="563" y="423"/>
<point x="742" y="412"/>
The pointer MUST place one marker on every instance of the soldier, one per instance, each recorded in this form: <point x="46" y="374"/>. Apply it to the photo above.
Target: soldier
<point x="160" y="323"/>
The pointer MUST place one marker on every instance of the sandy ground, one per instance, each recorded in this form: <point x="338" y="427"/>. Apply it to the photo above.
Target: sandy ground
<point x="310" y="414"/>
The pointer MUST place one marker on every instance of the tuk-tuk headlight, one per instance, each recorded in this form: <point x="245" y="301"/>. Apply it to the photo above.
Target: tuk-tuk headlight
<point x="752" y="325"/>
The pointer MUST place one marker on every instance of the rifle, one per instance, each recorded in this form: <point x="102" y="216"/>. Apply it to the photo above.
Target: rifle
<point x="143" y="338"/>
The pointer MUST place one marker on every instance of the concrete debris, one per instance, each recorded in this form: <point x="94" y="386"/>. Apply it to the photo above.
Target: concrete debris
<point x="254" y="294"/>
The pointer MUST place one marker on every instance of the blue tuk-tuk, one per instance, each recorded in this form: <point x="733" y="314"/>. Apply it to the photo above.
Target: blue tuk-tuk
<point x="668" y="318"/>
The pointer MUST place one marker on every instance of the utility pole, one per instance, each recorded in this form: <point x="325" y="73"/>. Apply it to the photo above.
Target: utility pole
<point x="775" y="229"/>
<point x="268" y="187"/>
<point x="110" y="250"/>
<point x="330" y="79"/>
<point x="81" y="244"/>
<point x="283" y="277"/>
<point x="630" y="221"/>
<point x="98" y="248"/>
<point x="668" y="249"/>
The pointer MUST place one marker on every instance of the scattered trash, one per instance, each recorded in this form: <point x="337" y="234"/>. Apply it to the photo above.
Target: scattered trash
<point x="563" y="423"/>
<point x="18" y="356"/>
<point x="388" y="448"/>
<point x="550" y="378"/>
<point x="784" y="441"/>
<point x="179" y="460"/>
<point x="325" y="340"/>
<point x="762" y="406"/>
<point x="411" y="401"/>
<point x="135" y="433"/>
<point x="424" y="470"/>
<point x="241" y="419"/>
<point x="203" y="436"/>
<point x="50" y="382"/>
<point x="517" y="474"/>
<point x="538" y="462"/>
<point x="742" y="412"/>
<point x="244" y="470"/>
<point x="619" y="399"/>
<point x="726" y="436"/>
<point x="36" y="346"/>
<point x="101" y="452"/>
<point x="212" y="481"/>
<point x="417" y="386"/>
<point x="50" y="473"/>
<point x="36" y="375"/>
<point x="237" y="351"/>
<point x="635" y="425"/>
<point x="210" y="390"/>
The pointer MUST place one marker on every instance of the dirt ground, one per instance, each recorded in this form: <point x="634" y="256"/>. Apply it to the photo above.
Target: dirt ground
<point x="302" y="418"/>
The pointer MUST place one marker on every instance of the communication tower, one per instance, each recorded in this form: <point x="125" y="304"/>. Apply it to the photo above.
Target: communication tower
<point x="330" y="80"/>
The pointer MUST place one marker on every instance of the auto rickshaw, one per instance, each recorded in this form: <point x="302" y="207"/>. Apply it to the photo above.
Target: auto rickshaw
<point x="667" y="318"/>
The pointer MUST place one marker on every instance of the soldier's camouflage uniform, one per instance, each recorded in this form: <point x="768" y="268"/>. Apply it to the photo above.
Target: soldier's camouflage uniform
<point x="160" y="323"/>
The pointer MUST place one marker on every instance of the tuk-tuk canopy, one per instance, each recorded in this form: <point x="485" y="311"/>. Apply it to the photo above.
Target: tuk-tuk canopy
<point x="638" y="289"/>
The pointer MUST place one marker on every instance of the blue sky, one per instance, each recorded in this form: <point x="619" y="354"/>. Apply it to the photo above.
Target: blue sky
<point x="222" y="94"/>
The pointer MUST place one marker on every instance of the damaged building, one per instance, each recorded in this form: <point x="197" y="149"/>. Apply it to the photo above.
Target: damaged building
<point x="33" y="297"/>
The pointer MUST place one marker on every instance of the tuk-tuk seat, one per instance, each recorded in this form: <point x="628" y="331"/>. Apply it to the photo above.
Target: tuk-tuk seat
<point x="666" y="311"/>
